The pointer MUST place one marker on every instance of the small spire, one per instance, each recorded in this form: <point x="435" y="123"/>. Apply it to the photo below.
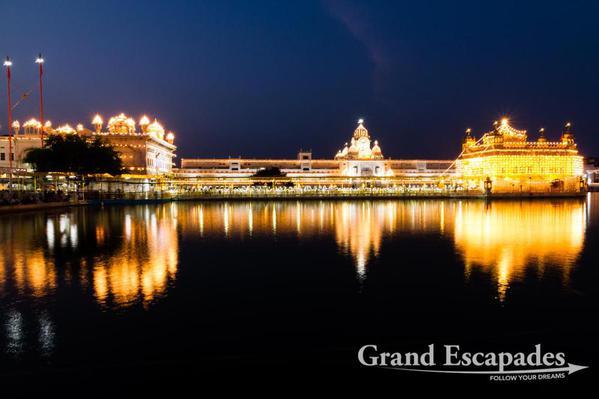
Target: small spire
<point x="568" y="127"/>
<point x="542" y="137"/>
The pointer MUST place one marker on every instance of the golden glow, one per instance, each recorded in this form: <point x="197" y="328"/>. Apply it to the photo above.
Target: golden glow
<point x="97" y="120"/>
<point x="117" y="280"/>
<point x="510" y="163"/>
<point x="32" y="123"/>
<point x="505" y="241"/>
<point x="16" y="125"/>
<point x="156" y="129"/>
<point x="121" y="124"/>
<point x="360" y="147"/>
<point x="506" y="238"/>
<point x="144" y="121"/>
<point x="65" y="129"/>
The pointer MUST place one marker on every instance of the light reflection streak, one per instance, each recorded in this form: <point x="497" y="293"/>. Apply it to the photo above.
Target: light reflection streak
<point x="137" y="248"/>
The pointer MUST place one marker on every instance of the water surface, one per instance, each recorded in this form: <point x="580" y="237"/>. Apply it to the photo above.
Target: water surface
<point x="233" y="284"/>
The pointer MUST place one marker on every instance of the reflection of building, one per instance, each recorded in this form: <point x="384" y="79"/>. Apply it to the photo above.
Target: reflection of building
<point x="356" y="160"/>
<point x="123" y="279"/>
<point x="503" y="161"/>
<point x="506" y="238"/>
<point x="358" y="227"/>
<point x="34" y="267"/>
<point x="149" y="151"/>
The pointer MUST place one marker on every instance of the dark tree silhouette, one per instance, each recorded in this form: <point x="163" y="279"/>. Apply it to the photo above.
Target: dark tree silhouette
<point x="72" y="153"/>
<point x="269" y="172"/>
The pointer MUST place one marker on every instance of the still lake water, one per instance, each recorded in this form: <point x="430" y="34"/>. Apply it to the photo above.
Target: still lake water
<point x="225" y="285"/>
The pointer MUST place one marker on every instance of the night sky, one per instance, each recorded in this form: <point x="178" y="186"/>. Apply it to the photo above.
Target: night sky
<point x="266" y="78"/>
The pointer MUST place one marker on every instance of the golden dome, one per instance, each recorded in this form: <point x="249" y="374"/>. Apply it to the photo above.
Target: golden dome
<point x="32" y="123"/>
<point x="376" y="149"/>
<point x="144" y="121"/>
<point x="65" y="129"/>
<point x="156" y="129"/>
<point x="121" y="124"/>
<point x="361" y="131"/>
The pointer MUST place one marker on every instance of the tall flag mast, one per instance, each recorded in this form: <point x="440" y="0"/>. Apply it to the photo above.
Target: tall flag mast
<point x="40" y="61"/>
<point x="8" y="64"/>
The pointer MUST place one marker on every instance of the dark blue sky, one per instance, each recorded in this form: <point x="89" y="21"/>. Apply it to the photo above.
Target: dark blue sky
<point x="264" y="78"/>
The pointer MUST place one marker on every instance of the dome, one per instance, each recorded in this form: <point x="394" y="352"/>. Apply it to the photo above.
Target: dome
<point x="32" y="123"/>
<point x="144" y="121"/>
<point x="156" y="129"/>
<point x="361" y="131"/>
<point x="65" y="129"/>
<point x="97" y="120"/>
<point x="121" y="124"/>
<point x="353" y="148"/>
<point x="376" y="149"/>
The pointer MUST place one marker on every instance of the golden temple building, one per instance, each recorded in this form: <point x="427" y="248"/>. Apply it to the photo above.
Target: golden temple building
<point x="504" y="161"/>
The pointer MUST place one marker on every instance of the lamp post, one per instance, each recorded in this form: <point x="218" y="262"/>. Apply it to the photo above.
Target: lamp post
<point x="40" y="61"/>
<point x="8" y="64"/>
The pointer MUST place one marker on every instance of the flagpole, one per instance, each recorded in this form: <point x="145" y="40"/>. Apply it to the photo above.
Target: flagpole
<point x="8" y="64"/>
<point x="40" y="62"/>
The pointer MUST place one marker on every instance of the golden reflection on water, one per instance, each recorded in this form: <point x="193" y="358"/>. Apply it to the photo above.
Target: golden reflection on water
<point x="505" y="237"/>
<point x="129" y="255"/>
<point x="501" y="238"/>
<point x="135" y="254"/>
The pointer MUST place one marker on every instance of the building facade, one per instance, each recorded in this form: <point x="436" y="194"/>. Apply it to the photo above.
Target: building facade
<point x="505" y="161"/>
<point x="361" y="160"/>
<point x="23" y="138"/>
<point x="148" y="151"/>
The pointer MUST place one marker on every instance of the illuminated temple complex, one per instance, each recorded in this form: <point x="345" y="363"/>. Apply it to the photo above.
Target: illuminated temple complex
<point x="505" y="161"/>
<point x="360" y="160"/>
<point x="145" y="148"/>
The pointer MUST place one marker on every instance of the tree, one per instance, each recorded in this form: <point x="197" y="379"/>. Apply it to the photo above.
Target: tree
<point x="271" y="171"/>
<point x="74" y="154"/>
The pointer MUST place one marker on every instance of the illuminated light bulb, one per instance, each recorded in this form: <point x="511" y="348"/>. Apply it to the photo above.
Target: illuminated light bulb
<point x="7" y="62"/>
<point x="504" y="121"/>
<point x="48" y="124"/>
<point x="79" y="127"/>
<point x="97" y="120"/>
<point x="360" y="121"/>
<point x="170" y="137"/>
<point x="16" y="125"/>
<point x="39" y="59"/>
